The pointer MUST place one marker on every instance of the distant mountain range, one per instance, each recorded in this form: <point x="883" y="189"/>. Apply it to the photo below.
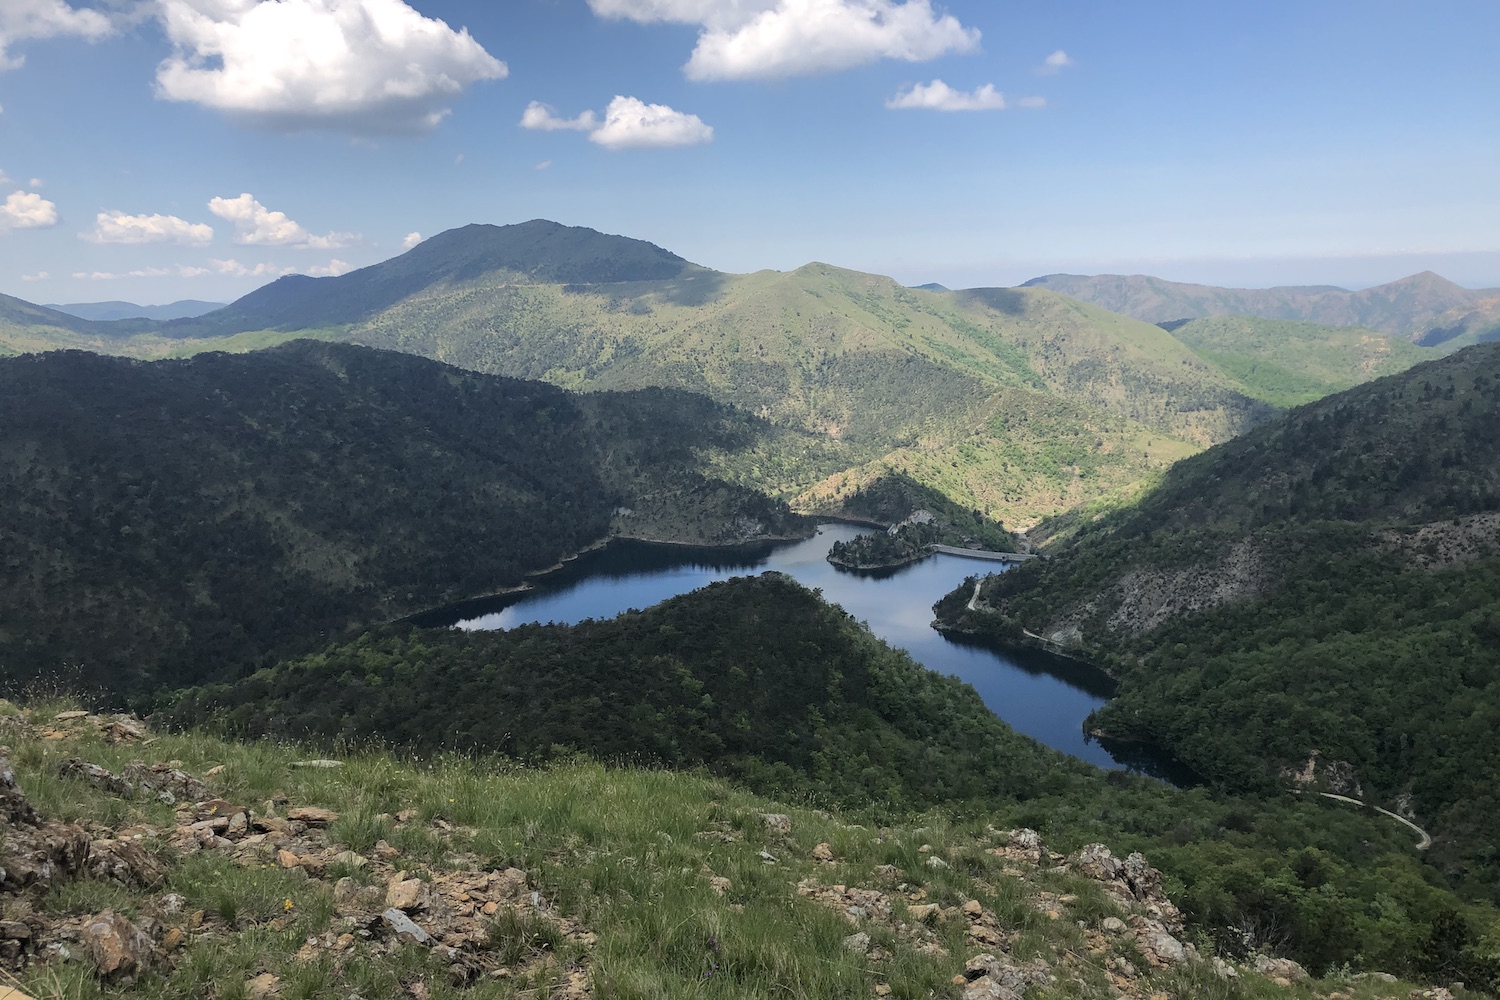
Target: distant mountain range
<point x="1019" y="402"/>
<point x="113" y="310"/>
<point x="1426" y="308"/>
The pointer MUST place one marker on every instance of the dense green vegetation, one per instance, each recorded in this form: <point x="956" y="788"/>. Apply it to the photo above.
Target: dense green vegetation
<point x="891" y="499"/>
<point x="1287" y="363"/>
<point x="1329" y="582"/>
<point x="160" y="522"/>
<point x="756" y="678"/>
<point x="759" y="681"/>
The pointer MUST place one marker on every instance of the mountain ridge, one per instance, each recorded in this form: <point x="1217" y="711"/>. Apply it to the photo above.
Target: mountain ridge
<point x="1410" y="307"/>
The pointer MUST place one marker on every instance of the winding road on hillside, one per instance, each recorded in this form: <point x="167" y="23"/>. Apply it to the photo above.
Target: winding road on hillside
<point x="1422" y="845"/>
<point x="1426" y="838"/>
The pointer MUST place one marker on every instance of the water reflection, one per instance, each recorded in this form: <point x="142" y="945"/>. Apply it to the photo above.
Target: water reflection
<point x="1043" y="696"/>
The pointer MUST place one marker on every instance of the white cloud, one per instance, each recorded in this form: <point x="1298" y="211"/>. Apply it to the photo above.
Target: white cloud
<point x="25" y="210"/>
<point x="628" y="123"/>
<point x="632" y="124"/>
<point x="362" y="66"/>
<point x="411" y="240"/>
<point x="257" y="226"/>
<point x="938" y="96"/>
<point x="235" y="269"/>
<point x="5" y="180"/>
<point x="117" y="227"/>
<point x="39" y="276"/>
<point x="1034" y="103"/>
<point x="25" y="19"/>
<point x="744" y="39"/>
<point x="540" y="117"/>
<point x="180" y="271"/>
<point x="332" y="269"/>
<point x="544" y="165"/>
<point x="1055" y="63"/>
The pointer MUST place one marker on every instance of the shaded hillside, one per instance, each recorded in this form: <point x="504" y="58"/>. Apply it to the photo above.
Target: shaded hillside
<point x="1408" y="308"/>
<point x="1286" y="363"/>
<point x="160" y="521"/>
<point x="1329" y="583"/>
<point x="536" y="251"/>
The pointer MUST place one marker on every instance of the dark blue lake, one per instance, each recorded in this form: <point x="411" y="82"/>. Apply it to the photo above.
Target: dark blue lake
<point x="1042" y="696"/>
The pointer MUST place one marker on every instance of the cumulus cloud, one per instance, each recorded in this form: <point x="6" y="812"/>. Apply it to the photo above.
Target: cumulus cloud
<point x="332" y="269"/>
<point x="747" y="39"/>
<point x="411" y="240"/>
<point x="938" y="96"/>
<point x="1055" y="63"/>
<point x="361" y="66"/>
<point x="258" y="226"/>
<point x="117" y="227"/>
<point x="27" y="210"/>
<point x="628" y="123"/>
<point x="633" y="124"/>
<point x="542" y="118"/>
<point x="26" y="19"/>
<point x="39" y="276"/>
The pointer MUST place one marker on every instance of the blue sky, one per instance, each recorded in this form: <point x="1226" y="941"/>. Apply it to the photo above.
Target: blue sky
<point x="1277" y="142"/>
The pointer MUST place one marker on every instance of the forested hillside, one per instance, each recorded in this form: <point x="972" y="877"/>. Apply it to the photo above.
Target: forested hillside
<point x="1286" y="363"/>
<point x="1327" y="584"/>
<point x="161" y="521"/>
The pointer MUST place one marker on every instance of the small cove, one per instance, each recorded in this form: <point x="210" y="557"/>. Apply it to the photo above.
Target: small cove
<point x="1043" y="696"/>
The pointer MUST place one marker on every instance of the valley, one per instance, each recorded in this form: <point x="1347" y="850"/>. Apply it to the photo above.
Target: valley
<point x="1255" y="542"/>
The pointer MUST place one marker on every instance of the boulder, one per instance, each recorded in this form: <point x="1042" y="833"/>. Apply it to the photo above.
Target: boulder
<point x="126" y="863"/>
<point x="406" y="894"/>
<point x="1097" y="862"/>
<point x="823" y="852"/>
<point x="120" y="950"/>
<point x="1280" y="968"/>
<point x="404" y="928"/>
<point x="858" y="942"/>
<point x="312" y="815"/>
<point x="777" y="822"/>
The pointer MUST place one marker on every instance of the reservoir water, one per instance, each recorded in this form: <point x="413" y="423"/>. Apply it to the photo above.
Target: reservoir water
<point x="1042" y="696"/>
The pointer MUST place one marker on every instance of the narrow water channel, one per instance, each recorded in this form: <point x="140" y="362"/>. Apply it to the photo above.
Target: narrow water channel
<point x="1042" y="696"/>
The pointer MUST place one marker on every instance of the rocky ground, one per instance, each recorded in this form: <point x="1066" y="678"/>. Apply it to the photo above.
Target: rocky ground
<point x="281" y="897"/>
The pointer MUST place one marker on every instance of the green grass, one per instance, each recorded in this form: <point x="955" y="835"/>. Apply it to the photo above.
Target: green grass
<point x="621" y="851"/>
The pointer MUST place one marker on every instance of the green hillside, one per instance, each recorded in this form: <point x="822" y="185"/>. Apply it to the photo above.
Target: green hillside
<point x="162" y="521"/>
<point x="579" y="881"/>
<point x="1328" y="584"/>
<point x="1021" y="403"/>
<point x="1286" y="363"/>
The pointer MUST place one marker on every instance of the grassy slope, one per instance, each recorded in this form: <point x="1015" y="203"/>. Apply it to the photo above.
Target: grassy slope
<point x="629" y="854"/>
<point x="1287" y="363"/>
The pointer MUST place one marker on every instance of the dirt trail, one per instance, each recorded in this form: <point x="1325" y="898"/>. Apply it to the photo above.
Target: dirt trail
<point x="1422" y="845"/>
